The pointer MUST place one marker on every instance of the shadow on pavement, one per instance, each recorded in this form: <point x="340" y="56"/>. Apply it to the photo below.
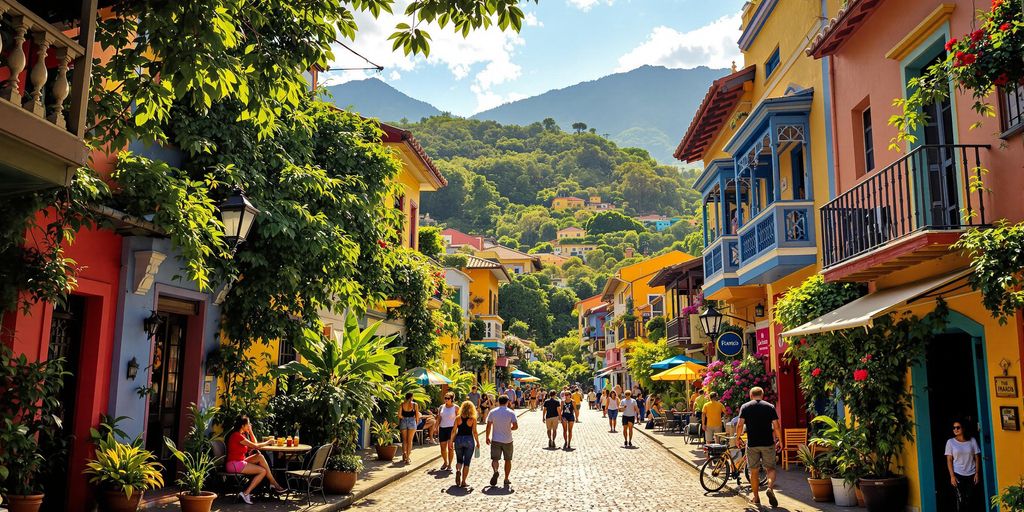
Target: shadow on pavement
<point x="458" y="491"/>
<point x="497" y="491"/>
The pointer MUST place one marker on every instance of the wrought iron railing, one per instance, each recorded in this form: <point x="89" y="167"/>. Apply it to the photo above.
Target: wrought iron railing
<point x="934" y="187"/>
<point x="677" y="330"/>
<point x="722" y="255"/>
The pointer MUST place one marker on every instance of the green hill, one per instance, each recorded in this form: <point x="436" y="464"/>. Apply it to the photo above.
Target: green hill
<point x="374" y="98"/>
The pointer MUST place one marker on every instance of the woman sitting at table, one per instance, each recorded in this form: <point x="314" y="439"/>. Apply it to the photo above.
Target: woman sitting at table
<point x="239" y="441"/>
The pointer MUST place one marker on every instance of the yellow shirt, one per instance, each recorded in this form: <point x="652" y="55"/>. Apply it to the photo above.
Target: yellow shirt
<point x="577" y="397"/>
<point x="712" y="413"/>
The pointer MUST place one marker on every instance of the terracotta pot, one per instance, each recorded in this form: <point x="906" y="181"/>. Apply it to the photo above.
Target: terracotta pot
<point x="844" y="493"/>
<point x="201" y="503"/>
<point x="860" y="497"/>
<point x="386" y="452"/>
<point x="29" y="503"/>
<point x="821" y="489"/>
<point x="885" y="494"/>
<point x="340" y="482"/>
<point x="115" y="501"/>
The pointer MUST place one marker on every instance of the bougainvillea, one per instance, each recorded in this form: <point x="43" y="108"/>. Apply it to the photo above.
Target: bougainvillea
<point x="732" y="381"/>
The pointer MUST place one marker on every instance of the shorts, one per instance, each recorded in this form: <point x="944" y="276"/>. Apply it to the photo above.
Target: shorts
<point x="709" y="433"/>
<point x="612" y="414"/>
<point x="235" y="466"/>
<point x="407" y="424"/>
<point x="761" y="455"/>
<point x="464" y="447"/>
<point x="552" y="422"/>
<point x="627" y="420"/>
<point x="444" y="434"/>
<point x="498" y="450"/>
<point x="569" y="417"/>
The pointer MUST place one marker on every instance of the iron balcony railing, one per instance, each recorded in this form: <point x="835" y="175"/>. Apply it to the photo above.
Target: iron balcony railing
<point x="677" y="331"/>
<point x="934" y="187"/>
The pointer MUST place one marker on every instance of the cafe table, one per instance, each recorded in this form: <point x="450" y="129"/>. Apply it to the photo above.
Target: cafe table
<point x="286" y="454"/>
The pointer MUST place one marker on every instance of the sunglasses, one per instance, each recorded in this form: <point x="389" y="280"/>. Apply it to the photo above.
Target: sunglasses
<point x="957" y="428"/>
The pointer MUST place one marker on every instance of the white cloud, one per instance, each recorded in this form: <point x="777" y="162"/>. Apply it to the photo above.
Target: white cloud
<point x="713" y="45"/>
<point x="394" y="75"/>
<point x="585" y="5"/>
<point x="530" y="20"/>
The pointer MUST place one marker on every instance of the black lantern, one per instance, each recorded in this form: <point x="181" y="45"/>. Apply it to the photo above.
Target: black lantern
<point x="711" y="321"/>
<point x="237" y="214"/>
<point x="133" y="369"/>
<point x="759" y="310"/>
<point x="152" y="324"/>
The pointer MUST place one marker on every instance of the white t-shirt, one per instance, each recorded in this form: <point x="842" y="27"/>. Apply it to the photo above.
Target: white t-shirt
<point x="592" y="396"/>
<point x="613" y="404"/>
<point x="629" y="407"/>
<point x="448" y="416"/>
<point x="501" y="420"/>
<point x="963" y="456"/>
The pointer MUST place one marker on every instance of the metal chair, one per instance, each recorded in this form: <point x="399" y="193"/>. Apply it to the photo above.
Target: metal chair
<point x="226" y="481"/>
<point x="792" y="439"/>
<point x="313" y="476"/>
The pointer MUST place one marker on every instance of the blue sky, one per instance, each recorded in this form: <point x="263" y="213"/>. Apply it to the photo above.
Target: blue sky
<point x="563" y="42"/>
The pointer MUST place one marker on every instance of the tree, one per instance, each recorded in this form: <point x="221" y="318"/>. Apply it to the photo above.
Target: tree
<point x="544" y="247"/>
<point x="612" y="221"/>
<point x="519" y="329"/>
<point x="549" y="124"/>
<point x="642" y="355"/>
<point x="430" y="242"/>
<point x="524" y="299"/>
<point x="580" y="127"/>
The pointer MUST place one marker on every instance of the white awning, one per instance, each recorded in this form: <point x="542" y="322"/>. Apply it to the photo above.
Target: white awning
<point x="862" y="311"/>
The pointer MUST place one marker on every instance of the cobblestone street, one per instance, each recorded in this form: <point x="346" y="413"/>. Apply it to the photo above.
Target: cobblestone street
<point x="598" y="474"/>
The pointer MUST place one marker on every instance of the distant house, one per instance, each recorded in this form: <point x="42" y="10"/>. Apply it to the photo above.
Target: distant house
<point x="455" y="239"/>
<point x="657" y="222"/>
<point x="567" y="203"/>
<point x="551" y="259"/>
<point x="574" y="249"/>
<point x="571" y="232"/>
<point x="515" y="262"/>
<point x="594" y="203"/>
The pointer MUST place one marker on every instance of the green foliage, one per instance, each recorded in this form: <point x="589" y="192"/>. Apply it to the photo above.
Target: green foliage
<point x="462" y="381"/>
<point x="125" y="467"/>
<point x="525" y="299"/>
<point x="995" y="259"/>
<point x="579" y="373"/>
<point x="612" y="221"/>
<point x="815" y="463"/>
<point x="1012" y="498"/>
<point x="350" y="463"/>
<point x="384" y="432"/>
<point x="430" y="242"/>
<point x="415" y="280"/>
<point x="846" y="445"/>
<point x="641" y="356"/>
<point x="475" y="357"/>
<point x="29" y="418"/>
<point x="813" y="298"/>
<point x="454" y="260"/>
<point x="655" y="328"/>
<point x="196" y="467"/>
<point x="551" y="375"/>
<point x="518" y="328"/>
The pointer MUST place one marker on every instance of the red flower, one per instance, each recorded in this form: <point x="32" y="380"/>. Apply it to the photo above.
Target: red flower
<point x="803" y="341"/>
<point x="950" y="43"/>
<point x="382" y="244"/>
<point x="865" y="358"/>
<point x="815" y="372"/>
<point x="996" y="4"/>
<point x="977" y="35"/>
<point x="860" y="375"/>
<point x="968" y="59"/>
<point x="1001" y="80"/>
<point x="1004" y="27"/>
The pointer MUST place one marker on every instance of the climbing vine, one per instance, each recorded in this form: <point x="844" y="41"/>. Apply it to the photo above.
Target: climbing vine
<point x="995" y="255"/>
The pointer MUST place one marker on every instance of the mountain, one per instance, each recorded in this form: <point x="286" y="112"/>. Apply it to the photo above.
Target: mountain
<point x="374" y="98"/>
<point x="648" y="107"/>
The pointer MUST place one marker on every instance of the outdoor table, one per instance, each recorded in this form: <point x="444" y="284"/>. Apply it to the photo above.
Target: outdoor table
<point x="287" y="454"/>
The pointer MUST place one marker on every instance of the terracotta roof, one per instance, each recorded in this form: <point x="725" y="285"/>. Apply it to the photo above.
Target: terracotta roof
<point x="839" y="29"/>
<point x="570" y="228"/>
<point x="720" y="100"/>
<point x="397" y="135"/>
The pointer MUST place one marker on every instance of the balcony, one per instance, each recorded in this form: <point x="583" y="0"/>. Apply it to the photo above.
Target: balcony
<point x="630" y="330"/>
<point x="904" y="214"/>
<point x="492" y="328"/>
<point x="777" y="242"/>
<point x="44" y="86"/>
<point x="721" y="260"/>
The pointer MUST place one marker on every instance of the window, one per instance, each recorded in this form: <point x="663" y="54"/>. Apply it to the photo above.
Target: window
<point x="414" y="221"/>
<point x="771" y="64"/>
<point x="457" y="296"/>
<point x="1011" y="103"/>
<point x="869" y="146"/>
<point x="657" y="308"/>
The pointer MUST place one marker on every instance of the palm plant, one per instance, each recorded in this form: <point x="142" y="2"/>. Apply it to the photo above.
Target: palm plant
<point x="125" y="467"/>
<point x="197" y="457"/>
<point x="462" y="381"/>
<point x="385" y="432"/>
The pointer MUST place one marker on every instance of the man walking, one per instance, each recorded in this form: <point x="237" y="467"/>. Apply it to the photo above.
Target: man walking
<point x="764" y="439"/>
<point x="500" y="424"/>
<point x="510" y="392"/>
<point x="474" y="396"/>
<point x="551" y="417"/>
<point x="630" y="410"/>
<point x="711" y="417"/>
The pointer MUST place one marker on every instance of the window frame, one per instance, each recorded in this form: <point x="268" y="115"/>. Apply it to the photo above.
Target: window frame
<point x="867" y="132"/>
<point x="772" y="63"/>
<point x="1008" y="129"/>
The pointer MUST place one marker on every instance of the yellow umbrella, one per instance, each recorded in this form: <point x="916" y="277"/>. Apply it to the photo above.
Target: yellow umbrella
<point x="686" y="371"/>
<point x="530" y="379"/>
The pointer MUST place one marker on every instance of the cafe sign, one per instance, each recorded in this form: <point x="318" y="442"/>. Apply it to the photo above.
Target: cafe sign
<point x="1006" y="387"/>
<point x="729" y="344"/>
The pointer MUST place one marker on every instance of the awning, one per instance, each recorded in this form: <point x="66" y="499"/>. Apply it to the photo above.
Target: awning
<point x="673" y="361"/>
<point x="608" y="370"/>
<point x="862" y="311"/>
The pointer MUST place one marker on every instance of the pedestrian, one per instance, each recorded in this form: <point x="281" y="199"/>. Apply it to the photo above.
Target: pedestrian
<point x="510" y="392"/>
<point x="447" y="424"/>
<point x="630" y="411"/>
<point x="466" y="440"/>
<point x="408" y="421"/>
<point x="592" y="399"/>
<point x="519" y="396"/>
<point x="486" y="403"/>
<point x="474" y="396"/>
<point x="638" y="395"/>
<point x="648" y="405"/>
<point x="239" y="441"/>
<point x="533" y="397"/>
<point x="604" y="403"/>
<point x="963" y="461"/>
<point x="500" y="424"/>
<point x="569" y="408"/>
<point x="577" y="399"/>
<point x="612" y="406"/>
<point x="764" y="439"/>
<point x="552" y="413"/>
<point x="699" y="402"/>
<point x="711" y="417"/>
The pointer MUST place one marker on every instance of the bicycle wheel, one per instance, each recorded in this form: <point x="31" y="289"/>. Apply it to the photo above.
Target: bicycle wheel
<point x="714" y="473"/>
<point x="762" y="476"/>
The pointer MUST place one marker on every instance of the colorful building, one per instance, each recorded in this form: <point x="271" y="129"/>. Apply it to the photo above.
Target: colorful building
<point x="892" y="216"/>
<point x="451" y="345"/>
<point x="551" y="259"/>
<point x="592" y="315"/>
<point x="455" y="240"/>
<point x="682" y="283"/>
<point x="486" y="277"/>
<point x="567" y="203"/>
<point x="516" y="262"/>
<point x="570" y="233"/>
<point x="655" y="222"/>
<point x="594" y="203"/>
<point x="573" y="248"/>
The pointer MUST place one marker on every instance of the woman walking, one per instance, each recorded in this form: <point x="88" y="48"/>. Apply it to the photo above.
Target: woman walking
<point x="466" y="441"/>
<point x="630" y="411"/>
<point x="408" y="419"/>
<point x="604" y="403"/>
<point x="568" y="419"/>
<point x="447" y="425"/>
<point x="963" y="460"/>
<point x="486" y="403"/>
<point x="612" y="406"/>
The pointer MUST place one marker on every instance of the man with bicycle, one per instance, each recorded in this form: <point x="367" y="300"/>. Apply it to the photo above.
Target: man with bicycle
<point x="764" y="440"/>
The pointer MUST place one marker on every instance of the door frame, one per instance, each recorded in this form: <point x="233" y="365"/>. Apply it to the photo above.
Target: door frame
<point x="957" y="324"/>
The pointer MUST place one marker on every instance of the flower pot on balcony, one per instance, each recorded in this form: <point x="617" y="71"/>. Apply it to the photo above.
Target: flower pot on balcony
<point x="29" y="503"/>
<point x="821" y="489"/>
<point x="201" y="503"/>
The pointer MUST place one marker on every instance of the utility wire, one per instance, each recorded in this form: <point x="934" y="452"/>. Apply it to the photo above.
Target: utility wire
<point x="373" y="65"/>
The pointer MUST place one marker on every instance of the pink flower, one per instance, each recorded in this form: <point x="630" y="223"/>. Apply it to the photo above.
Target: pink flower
<point x="815" y="372"/>
<point x="860" y="375"/>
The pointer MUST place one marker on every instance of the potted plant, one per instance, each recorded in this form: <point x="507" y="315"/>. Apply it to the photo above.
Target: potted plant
<point x="385" y="432"/>
<point x="1012" y="498"/>
<point x="821" y="485"/>
<point x="29" y="392"/>
<point x="196" y="467"/>
<point x="123" y="471"/>
<point x="844" y="458"/>
<point x="342" y="471"/>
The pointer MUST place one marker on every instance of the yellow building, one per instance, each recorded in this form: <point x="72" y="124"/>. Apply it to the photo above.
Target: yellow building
<point x="567" y="203"/>
<point x="573" y="248"/>
<point x="551" y="259"/>
<point x="515" y="262"/>
<point x="486" y="276"/>
<point x="570" y="232"/>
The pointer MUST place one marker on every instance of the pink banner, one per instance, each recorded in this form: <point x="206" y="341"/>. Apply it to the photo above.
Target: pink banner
<point x="764" y="341"/>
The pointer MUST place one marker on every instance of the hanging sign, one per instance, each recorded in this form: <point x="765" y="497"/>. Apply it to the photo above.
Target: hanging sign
<point x="764" y="341"/>
<point x="729" y="344"/>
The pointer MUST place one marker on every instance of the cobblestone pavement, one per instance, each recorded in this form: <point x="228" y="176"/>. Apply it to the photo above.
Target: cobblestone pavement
<point x="598" y="474"/>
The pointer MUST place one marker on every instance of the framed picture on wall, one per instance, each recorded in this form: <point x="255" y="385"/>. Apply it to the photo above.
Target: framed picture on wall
<point x="1006" y="387"/>
<point x="1009" y="417"/>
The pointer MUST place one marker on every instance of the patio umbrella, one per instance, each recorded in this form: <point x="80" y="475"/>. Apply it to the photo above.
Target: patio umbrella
<point x="425" y="377"/>
<point x="519" y="375"/>
<point x="674" y="361"/>
<point x="529" y="379"/>
<point x="686" y="371"/>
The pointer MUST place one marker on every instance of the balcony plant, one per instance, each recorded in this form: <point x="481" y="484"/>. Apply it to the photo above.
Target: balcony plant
<point x="815" y="462"/>
<point x="122" y="472"/>
<point x="843" y="454"/>
<point x="29" y="392"/>
<point x="385" y="433"/>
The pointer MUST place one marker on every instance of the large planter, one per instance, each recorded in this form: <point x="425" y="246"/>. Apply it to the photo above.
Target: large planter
<point x="386" y="452"/>
<point x="844" y="493"/>
<point x="28" y="503"/>
<point x="885" y="494"/>
<point x="115" y="501"/>
<point x="821" y="489"/>
<point x="201" y="503"/>
<point x="340" y="482"/>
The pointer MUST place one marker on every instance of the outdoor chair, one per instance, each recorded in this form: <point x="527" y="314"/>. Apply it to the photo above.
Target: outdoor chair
<point x="231" y="483"/>
<point x="313" y="476"/>
<point x="659" y="420"/>
<point x="792" y="439"/>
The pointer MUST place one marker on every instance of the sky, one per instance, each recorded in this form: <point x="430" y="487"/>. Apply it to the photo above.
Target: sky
<point x="562" y="42"/>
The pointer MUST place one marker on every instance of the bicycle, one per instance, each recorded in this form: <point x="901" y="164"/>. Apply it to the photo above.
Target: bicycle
<point x="723" y="465"/>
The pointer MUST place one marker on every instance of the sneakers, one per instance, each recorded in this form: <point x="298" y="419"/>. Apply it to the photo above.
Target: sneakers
<point x="494" y="479"/>
<point x="246" y="498"/>
<point x="508" y="483"/>
<point x="771" y="498"/>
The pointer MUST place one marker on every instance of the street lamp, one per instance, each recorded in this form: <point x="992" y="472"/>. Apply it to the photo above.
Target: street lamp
<point x="711" y="321"/>
<point x="237" y="214"/>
